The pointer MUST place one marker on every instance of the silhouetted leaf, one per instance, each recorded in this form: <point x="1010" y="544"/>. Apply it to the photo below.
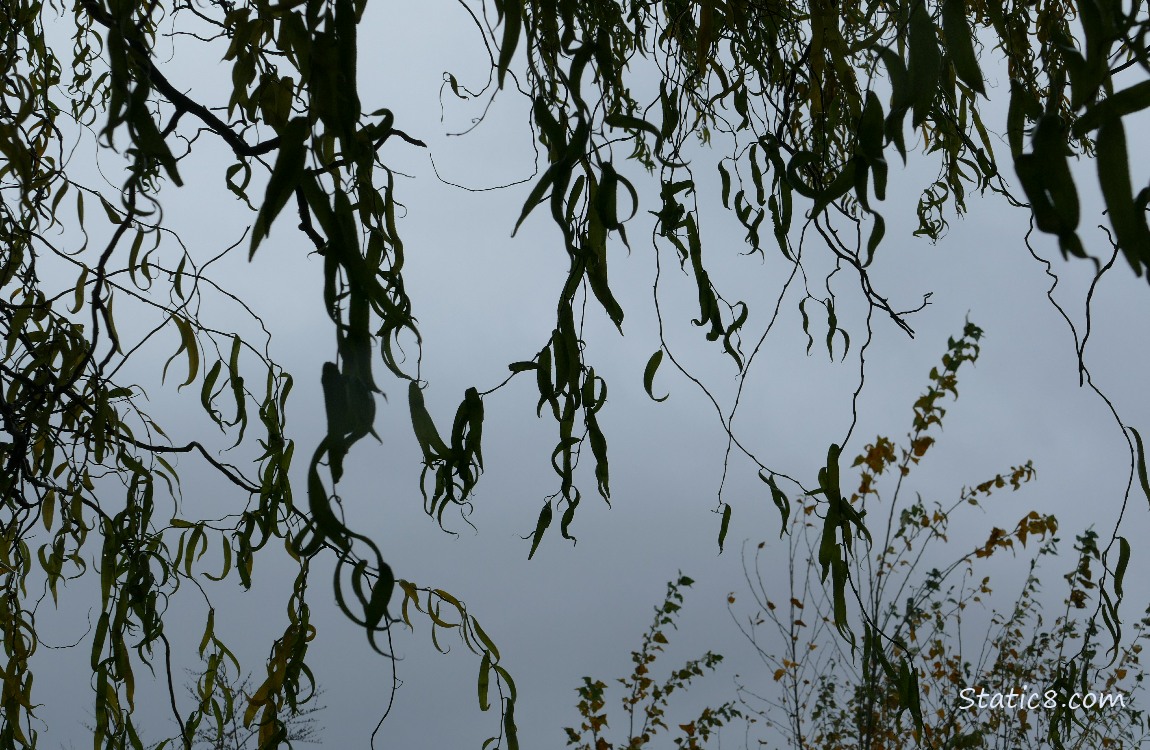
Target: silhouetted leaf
<point x="649" y="374"/>
<point x="724" y="525"/>
<point x="925" y="64"/>
<point x="285" y="177"/>
<point x="960" y="44"/>
<point x="540" y="527"/>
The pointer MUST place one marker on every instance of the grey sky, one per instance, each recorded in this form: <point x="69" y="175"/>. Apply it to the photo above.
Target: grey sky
<point x="483" y="300"/>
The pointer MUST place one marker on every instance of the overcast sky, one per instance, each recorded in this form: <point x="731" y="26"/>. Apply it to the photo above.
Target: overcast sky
<point x="483" y="299"/>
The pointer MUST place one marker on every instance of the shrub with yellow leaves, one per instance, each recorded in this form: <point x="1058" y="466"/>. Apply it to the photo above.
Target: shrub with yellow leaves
<point x="1031" y="680"/>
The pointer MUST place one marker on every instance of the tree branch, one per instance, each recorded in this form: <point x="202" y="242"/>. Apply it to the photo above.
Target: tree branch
<point x="181" y="101"/>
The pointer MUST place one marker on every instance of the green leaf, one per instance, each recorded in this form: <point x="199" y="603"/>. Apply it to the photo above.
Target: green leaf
<point x="48" y="509"/>
<point x="80" y="286"/>
<point x="375" y="608"/>
<point x="537" y="194"/>
<point x="1129" y="222"/>
<point x="239" y="189"/>
<point x="806" y="324"/>
<point x="878" y="231"/>
<point x="113" y="215"/>
<point x="1049" y="186"/>
<point x="724" y="525"/>
<point x="670" y="110"/>
<point x="209" y="630"/>
<point x="599" y="451"/>
<point x="429" y="440"/>
<point x="506" y="677"/>
<point x="1140" y="460"/>
<point x="649" y="375"/>
<point x="870" y="136"/>
<point x="781" y="502"/>
<point x="338" y="411"/>
<point x="485" y="639"/>
<point x="1051" y="149"/>
<point x="1022" y="107"/>
<point x="628" y="122"/>
<point x="796" y="168"/>
<point x="611" y="181"/>
<point x="960" y="44"/>
<point x="187" y="344"/>
<point x="838" y="187"/>
<point x="512" y="20"/>
<point x="238" y="394"/>
<point x="925" y="64"/>
<point x="484" y="681"/>
<point x="901" y="97"/>
<point x="284" y="179"/>
<point x="908" y="693"/>
<point x="207" y="392"/>
<point x="509" y="729"/>
<point x="1123" y="561"/>
<point x="227" y="547"/>
<point x="1127" y="101"/>
<point x="540" y="527"/>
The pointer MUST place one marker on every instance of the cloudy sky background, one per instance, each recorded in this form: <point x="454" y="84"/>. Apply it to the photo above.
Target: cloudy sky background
<point x="483" y="299"/>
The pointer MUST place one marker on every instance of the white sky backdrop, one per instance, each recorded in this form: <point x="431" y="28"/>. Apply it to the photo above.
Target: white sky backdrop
<point x="483" y="300"/>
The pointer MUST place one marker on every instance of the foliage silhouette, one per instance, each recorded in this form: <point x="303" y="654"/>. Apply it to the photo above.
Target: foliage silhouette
<point x="906" y="687"/>
<point x="302" y="728"/>
<point x="797" y="94"/>
<point x="228" y="696"/>
<point x="646" y="700"/>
